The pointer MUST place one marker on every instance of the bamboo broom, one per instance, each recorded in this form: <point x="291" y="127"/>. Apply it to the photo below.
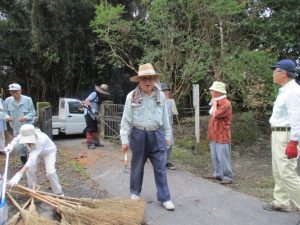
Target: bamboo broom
<point x="15" y="218"/>
<point x="91" y="211"/>
<point x="31" y="218"/>
<point x="126" y="212"/>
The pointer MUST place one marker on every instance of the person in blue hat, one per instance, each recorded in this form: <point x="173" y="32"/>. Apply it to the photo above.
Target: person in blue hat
<point x="285" y="125"/>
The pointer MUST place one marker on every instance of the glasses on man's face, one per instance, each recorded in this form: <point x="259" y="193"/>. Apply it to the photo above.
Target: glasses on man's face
<point x="147" y="78"/>
<point x="276" y="71"/>
<point x="13" y="92"/>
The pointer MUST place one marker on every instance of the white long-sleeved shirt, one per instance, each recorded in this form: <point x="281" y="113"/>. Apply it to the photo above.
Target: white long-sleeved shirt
<point x="148" y="114"/>
<point x="286" y="109"/>
<point x="44" y="145"/>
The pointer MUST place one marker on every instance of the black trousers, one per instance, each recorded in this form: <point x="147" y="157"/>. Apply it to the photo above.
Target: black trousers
<point x="92" y="125"/>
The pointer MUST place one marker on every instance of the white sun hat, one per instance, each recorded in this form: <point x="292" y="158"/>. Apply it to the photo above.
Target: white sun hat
<point x="27" y="134"/>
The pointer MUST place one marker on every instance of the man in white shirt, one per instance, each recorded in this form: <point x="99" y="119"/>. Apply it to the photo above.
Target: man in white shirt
<point x="285" y="124"/>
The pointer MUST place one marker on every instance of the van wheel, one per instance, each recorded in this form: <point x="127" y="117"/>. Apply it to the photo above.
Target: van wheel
<point x="84" y="132"/>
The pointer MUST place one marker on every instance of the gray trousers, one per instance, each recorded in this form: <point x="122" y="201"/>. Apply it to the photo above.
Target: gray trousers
<point x="22" y="152"/>
<point x="168" y="154"/>
<point x="221" y="160"/>
<point x="144" y="145"/>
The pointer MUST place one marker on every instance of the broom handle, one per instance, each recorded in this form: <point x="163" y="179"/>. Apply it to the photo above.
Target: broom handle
<point x="59" y="196"/>
<point x="57" y="201"/>
<point x="5" y="178"/>
<point x="14" y="201"/>
<point x="46" y="198"/>
<point x="27" y="203"/>
<point x="36" y="195"/>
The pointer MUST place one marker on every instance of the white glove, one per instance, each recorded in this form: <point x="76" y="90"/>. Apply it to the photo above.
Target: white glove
<point x="8" y="148"/>
<point x="94" y="111"/>
<point x="15" y="180"/>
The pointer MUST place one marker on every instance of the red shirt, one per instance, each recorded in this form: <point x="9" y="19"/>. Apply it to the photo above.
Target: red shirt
<point x="219" y="127"/>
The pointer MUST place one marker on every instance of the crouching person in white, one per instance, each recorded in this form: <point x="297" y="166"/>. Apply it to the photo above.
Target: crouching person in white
<point x="39" y="146"/>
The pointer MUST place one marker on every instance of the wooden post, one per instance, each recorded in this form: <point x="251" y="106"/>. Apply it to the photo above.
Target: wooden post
<point x="196" y="104"/>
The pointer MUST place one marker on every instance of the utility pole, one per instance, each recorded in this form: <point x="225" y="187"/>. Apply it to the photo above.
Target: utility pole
<point x="196" y="104"/>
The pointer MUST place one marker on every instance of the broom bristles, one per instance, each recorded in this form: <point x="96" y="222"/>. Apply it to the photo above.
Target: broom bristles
<point x="81" y="211"/>
<point x="112" y="212"/>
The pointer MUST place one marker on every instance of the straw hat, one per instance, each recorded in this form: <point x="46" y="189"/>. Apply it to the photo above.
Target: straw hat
<point x="102" y="89"/>
<point x="145" y="70"/>
<point x="27" y="134"/>
<point x="218" y="86"/>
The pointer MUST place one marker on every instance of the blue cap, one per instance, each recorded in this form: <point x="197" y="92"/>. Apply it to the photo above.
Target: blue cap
<point x="165" y="87"/>
<point x="288" y="65"/>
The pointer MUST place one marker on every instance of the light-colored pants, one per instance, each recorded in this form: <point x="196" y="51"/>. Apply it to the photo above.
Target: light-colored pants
<point x="287" y="182"/>
<point x="221" y="160"/>
<point x="2" y="140"/>
<point x="49" y="159"/>
<point x="168" y="153"/>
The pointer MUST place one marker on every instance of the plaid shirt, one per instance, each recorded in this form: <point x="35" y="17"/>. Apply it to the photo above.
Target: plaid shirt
<point x="219" y="127"/>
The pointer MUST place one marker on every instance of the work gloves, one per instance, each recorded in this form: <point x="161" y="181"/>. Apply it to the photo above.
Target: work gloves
<point x="15" y="180"/>
<point x="291" y="149"/>
<point x="8" y="148"/>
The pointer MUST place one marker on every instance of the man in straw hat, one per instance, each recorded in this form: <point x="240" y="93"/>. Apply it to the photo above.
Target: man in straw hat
<point x="145" y="128"/>
<point x="18" y="110"/>
<point x="285" y="126"/>
<point x="219" y="133"/>
<point x="92" y="103"/>
<point x="39" y="146"/>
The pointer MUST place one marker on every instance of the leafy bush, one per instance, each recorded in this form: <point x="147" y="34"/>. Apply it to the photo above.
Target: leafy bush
<point x="244" y="128"/>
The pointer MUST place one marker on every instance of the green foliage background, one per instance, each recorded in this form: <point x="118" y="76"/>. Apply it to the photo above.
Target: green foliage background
<point x="58" y="48"/>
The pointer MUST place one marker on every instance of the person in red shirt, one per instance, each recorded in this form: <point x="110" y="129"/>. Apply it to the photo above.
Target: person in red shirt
<point x="219" y="133"/>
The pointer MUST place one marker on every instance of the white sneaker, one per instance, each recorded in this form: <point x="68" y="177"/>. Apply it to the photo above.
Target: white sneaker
<point x="135" y="197"/>
<point x="168" y="205"/>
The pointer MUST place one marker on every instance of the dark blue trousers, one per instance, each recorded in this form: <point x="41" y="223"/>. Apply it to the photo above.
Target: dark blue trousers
<point x="144" y="145"/>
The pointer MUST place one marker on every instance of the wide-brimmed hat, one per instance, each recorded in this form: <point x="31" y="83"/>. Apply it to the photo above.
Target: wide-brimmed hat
<point x="145" y="70"/>
<point x="27" y="134"/>
<point x="14" y="87"/>
<point x="103" y="88"/>
<point x="288" y="65"/>
<point x="218" y="86"/>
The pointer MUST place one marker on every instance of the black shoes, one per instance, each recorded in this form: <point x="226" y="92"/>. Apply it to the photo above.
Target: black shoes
<point x="170" y="166"/>
<point x="94" y="145"/>
<point x="213" y="178"/>
<point x="91" y="146"/>
<point x="98" y="145"/>
<point x="23" y="160"/>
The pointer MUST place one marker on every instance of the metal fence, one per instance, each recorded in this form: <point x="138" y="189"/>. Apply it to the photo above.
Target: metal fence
<point x="111" y="115"/>
<point x="45" y="120"/>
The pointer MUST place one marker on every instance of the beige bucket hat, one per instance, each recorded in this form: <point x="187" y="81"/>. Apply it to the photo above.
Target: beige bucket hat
<point x="103" y="88"/>
<point x="145" y="70"/>
<point x="218" y="86"/>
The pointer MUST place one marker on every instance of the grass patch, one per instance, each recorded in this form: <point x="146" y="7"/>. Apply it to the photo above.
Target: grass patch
<point x="186" y="157"/>
<point x="66" y="160"/>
